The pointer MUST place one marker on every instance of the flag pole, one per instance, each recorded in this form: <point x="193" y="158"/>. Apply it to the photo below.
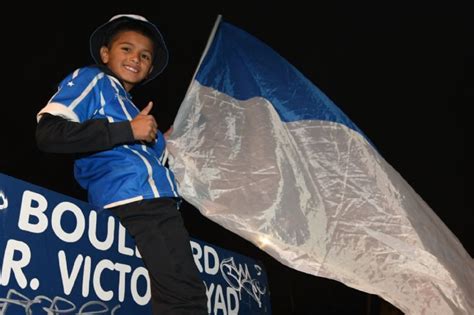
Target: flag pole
<point x="208" y="45"/>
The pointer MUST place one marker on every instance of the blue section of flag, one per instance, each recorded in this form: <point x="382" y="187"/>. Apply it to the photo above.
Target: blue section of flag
<point x="243" y="67"/>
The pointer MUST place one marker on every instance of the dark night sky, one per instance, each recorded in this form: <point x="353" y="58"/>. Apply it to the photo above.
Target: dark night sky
<point x="404" y="75"/>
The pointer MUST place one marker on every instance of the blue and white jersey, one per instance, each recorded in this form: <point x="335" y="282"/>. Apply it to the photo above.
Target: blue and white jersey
<point x="125" y="173"/>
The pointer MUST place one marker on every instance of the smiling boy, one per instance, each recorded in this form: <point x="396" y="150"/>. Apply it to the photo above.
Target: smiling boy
<point x="121" y="155"/>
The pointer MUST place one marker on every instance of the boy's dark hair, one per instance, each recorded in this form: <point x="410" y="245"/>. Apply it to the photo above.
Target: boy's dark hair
<point x="128" y="25"/>
<point x="105" y="33"/>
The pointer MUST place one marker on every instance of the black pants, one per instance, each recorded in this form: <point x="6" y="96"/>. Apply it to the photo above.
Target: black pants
<point x="163" y="242"/>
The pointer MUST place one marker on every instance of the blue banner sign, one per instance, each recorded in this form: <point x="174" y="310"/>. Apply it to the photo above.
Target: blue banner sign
<point x="60" y="256"/>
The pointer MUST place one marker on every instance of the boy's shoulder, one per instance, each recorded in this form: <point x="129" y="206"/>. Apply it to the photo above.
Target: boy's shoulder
<point x="92" y="71"/>
<point x="84" y="75"/>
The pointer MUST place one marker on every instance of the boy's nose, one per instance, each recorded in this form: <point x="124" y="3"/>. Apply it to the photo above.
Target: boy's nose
<point x="135" y="58"/>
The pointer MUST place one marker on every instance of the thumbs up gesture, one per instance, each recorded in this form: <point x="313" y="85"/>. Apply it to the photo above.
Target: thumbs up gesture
<point x="144" y="126"/>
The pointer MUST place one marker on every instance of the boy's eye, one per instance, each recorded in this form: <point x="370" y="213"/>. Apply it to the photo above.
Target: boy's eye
<point x="125" y="48"/>
<point x="146" y="57"/>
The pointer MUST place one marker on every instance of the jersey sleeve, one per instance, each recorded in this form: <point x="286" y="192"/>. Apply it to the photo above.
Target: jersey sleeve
<point x="78" y="97"/>
<point x="58" y="135"/>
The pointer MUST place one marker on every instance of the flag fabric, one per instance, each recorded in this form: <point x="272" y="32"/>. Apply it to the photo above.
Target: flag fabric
<point x="260" y="150"/>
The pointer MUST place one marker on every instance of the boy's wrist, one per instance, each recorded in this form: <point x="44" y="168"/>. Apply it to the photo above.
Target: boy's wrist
<point x="121" y="132"/>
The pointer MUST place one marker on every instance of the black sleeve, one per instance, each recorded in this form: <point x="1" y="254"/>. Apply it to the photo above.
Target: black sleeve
<point x="56" y="134"/>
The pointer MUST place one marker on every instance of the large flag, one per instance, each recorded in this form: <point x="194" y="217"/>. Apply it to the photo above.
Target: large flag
<point x="263" y="152"/>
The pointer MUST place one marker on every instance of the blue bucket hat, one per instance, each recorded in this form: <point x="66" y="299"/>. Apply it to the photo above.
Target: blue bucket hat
<point x="101" y="35"/>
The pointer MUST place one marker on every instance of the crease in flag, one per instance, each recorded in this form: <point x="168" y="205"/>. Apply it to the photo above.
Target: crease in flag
<point x="260" y="150"/>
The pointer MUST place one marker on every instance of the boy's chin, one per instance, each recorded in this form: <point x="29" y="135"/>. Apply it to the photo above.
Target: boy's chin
<point x="131" y="81"/>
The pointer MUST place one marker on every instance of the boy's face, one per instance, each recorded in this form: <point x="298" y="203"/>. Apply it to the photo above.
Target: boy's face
<point x="129" y="56"/>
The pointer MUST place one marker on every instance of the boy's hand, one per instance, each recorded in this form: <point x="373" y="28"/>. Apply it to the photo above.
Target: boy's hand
<point x="144" y="126"/>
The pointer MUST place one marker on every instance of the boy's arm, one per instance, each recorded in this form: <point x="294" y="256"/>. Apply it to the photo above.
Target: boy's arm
<point x="56" y="134"/>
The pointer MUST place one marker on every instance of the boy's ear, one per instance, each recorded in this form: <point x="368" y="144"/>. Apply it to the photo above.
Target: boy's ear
<point x="104" y="54"/>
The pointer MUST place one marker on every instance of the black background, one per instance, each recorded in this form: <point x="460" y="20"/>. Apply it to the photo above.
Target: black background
<point x="403" y="74"/>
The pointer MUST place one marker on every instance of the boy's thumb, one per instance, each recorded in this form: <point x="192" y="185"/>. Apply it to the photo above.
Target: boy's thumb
<point x="147" y="109"/>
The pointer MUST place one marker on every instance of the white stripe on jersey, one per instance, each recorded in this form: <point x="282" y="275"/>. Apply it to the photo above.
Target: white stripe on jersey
<point x="114" y="85"/>
<point x="75" y="73"/>
<point x="162" y="161"/>
<point x="58" y="109"/>
<point x="170" y="181"/>
<point x="114" y="82"/>
<point x="151" y="181"/>
<point x="86" y="90"/>
<point x="123" y="202"/>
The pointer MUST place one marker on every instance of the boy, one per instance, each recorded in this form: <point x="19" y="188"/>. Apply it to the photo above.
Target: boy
<point x="122" y="155"/>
